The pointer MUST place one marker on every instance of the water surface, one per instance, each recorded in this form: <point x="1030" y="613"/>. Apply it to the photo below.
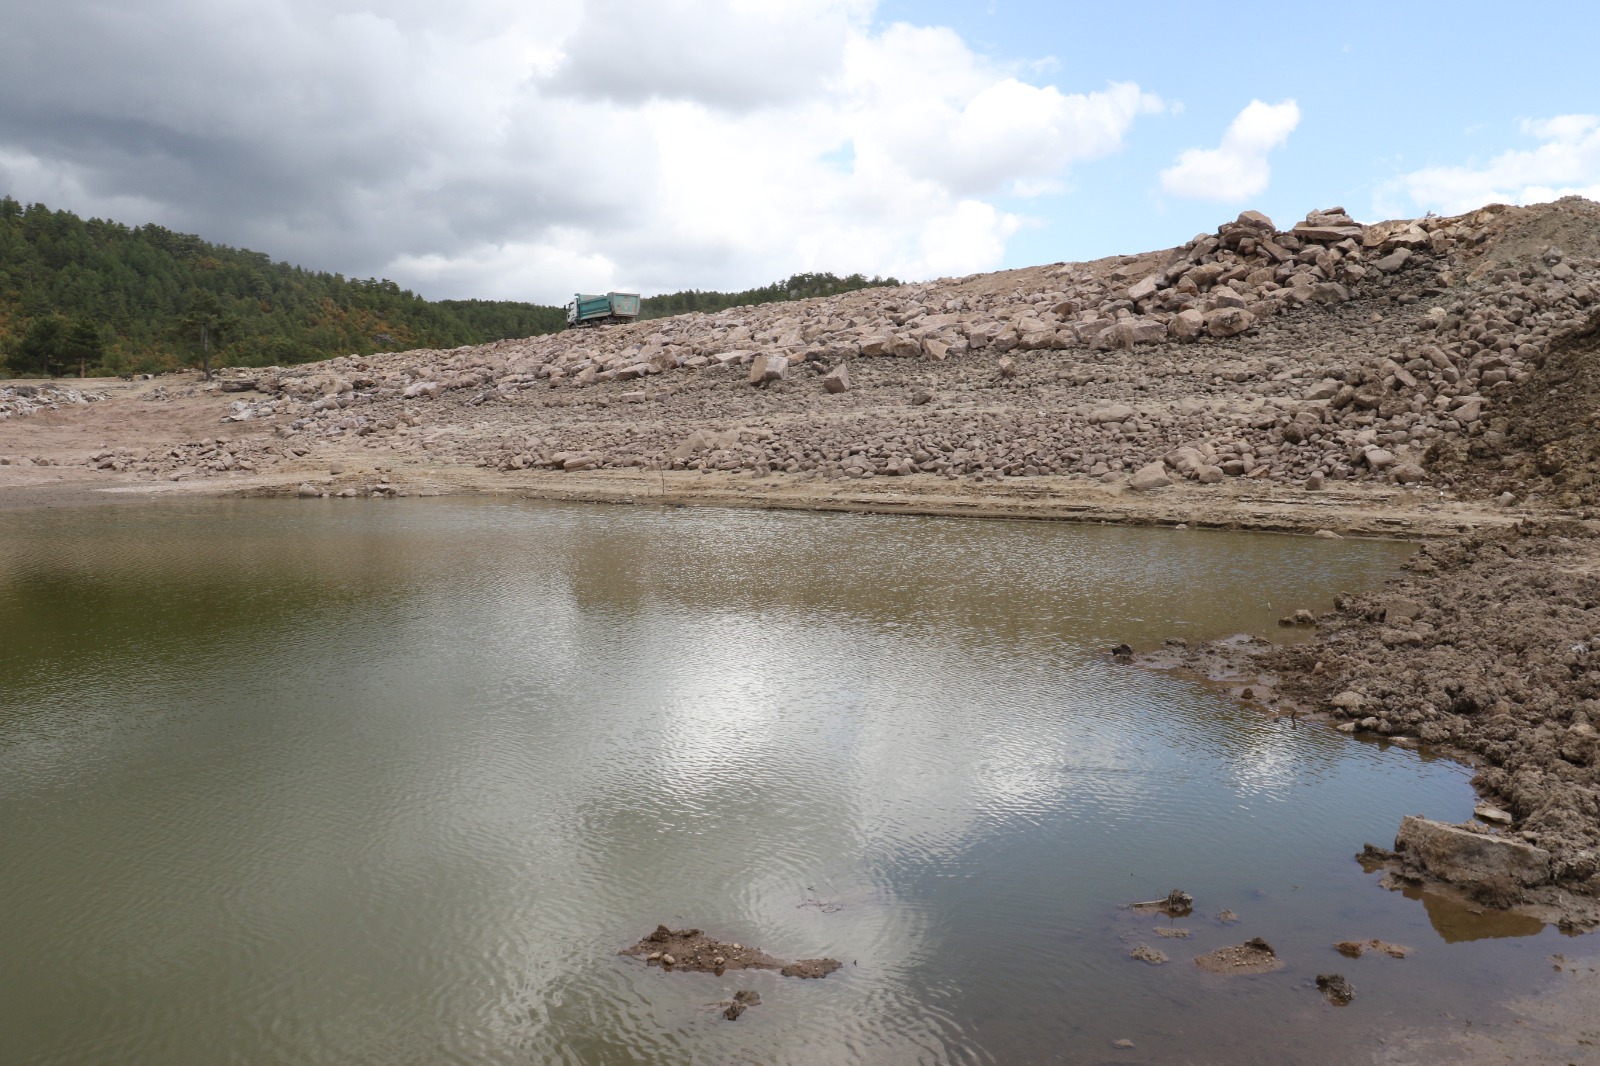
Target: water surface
<point x="391" y="782"/>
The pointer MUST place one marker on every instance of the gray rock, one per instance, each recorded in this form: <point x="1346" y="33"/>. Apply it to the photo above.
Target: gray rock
<point x="1460" y="856"/>
<point x="837" y="380"/>
<point x="1398" y="610"/>
<point x="1393" y="261"/>
<point x="1117" y="412"/>
<point x="765" y="369"/>
<point x="1492" y="814"/>
<point x="1145" y="289"/>
<point x="1150" y="477"/>
<point x="1378" y="459"/>
<point x="1229" y="321"/>
<point x="1187" y="325"/>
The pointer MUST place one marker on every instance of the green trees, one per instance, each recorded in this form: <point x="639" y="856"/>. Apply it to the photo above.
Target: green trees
<point x="82" y="346"/>
<point x="96" y="296"/>
<point x="41" y="351"/>
<point x="204" y="325"/>
<point x="798" y="287"/>
<point x="138" y="287"/>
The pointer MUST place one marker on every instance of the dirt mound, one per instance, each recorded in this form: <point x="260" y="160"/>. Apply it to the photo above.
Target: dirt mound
<point x="1543" y="438"/>
<point x="1354" y="949"/>
<point x="691" y="949"/>
<point x="1490" y="649"/>
<point x="1570" y="225"/>
<point x="1253" y="956"/>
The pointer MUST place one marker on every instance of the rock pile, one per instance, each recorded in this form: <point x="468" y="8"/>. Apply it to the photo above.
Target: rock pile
<point x="1325" y="352"/>
<point x="19" y="400"/>
<point x="1488" y="647"/>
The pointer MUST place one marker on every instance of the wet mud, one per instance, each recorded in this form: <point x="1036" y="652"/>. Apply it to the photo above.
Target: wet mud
<point x="694" y="951"/>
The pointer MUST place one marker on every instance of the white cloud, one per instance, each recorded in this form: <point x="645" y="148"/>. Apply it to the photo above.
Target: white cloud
<point x="527" y="148"/>
<point x="1237" y="169"/>
<point x="1566" y="163"/>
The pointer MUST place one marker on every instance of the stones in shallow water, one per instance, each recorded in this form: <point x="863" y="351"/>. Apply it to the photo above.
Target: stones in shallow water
<point x="1253" y="956"/>
<point x="1336" y="989"/>
<point x="1146" y="953"/>
<point x="742" y="1001"/>
<point x="1354" y="949"/>
<point x="693" y="950"/>
<point x="1176" y="903"/>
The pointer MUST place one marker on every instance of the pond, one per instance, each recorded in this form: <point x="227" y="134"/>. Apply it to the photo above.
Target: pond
<point x="393" y="782"/>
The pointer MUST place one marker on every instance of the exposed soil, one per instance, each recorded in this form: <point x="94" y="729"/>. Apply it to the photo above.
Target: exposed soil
<point x="1255" y="378"/>
<point x="742" y="1001"/>
<point x="693" y="950"/>
<point x="1486" y="649"/>
<point x="1542" y="439"/>
<point x="1253" y="956"/>
<point x="1354" y="949"/>
<point x="1336" y="989"/>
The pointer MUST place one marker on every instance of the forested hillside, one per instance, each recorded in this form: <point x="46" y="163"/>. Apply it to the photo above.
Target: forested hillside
<point x="798" y="287"/>
<point x="93" y="294"/>
<point x="98" y="297"/>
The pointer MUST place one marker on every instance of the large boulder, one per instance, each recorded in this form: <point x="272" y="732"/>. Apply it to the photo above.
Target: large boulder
<point x="905" y="346"/>
<point x="1143" y="290"/>
<point x="837" y="380"/>
<point x="876" y="344"/>
<point x="1229" y="321"/>
<point x="765" y="369"/>
<point x="1150" y="477"/>
<point x="1467" y="857"/>
<point x="1187" y="325"/>
<point x="1131" y="331"/>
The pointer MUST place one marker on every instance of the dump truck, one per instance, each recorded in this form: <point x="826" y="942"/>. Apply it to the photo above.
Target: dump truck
<point x="596" y="310"/>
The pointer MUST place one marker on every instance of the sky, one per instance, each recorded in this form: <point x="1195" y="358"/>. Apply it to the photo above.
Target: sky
<point x="528" y="149"/>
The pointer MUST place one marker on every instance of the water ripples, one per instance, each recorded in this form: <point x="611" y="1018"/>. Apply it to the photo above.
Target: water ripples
<point x="394" y="784"/>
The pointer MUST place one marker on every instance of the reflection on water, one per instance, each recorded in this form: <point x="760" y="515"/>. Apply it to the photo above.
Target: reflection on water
<point x="326" y="782"/>
<point x="1457" y="921"/>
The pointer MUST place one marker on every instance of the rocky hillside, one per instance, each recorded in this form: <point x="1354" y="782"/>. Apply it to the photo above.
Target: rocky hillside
<point x="1328" y="351"/>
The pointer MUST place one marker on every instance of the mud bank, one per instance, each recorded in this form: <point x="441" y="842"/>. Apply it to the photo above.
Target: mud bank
<point x="1486" y="649"/>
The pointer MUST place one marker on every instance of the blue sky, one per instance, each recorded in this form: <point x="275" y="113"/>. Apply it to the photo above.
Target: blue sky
<point x="526" y="149"/>
<point x="1384" y="89"/>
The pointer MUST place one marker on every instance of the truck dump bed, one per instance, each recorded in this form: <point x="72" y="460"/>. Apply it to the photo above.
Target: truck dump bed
<point x="612" y="307"/>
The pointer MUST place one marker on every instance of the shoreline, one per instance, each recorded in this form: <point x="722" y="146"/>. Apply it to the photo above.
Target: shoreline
<point x="1356" y="509"/>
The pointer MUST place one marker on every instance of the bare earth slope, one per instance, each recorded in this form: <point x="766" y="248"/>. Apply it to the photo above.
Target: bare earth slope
<point x="1247" y="366"/>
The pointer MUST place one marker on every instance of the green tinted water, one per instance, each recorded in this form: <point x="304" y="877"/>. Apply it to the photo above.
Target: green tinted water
<point x="350" y="782"/>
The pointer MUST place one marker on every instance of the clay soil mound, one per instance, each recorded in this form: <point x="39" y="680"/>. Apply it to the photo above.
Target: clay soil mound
<point x="691" y="949"/>
<point x="1354" y="949"/>
<point x="1253" y="956"/>
<point x="1543" y="438"/>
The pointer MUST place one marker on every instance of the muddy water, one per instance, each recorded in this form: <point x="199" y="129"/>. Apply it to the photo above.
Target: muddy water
<point x="349" y="782"/>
